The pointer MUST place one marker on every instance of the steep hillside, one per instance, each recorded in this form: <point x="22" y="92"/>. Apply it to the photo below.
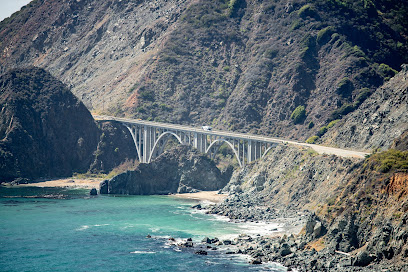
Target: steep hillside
<point x="238" y="65"/>
<point x="45" y="131"/>
<point x="98" y="47"/>
<point x="115" y="147"/>
<point x="362" y="206"/>
<point x="378" y="121"/>
<point x="293" y="178"/>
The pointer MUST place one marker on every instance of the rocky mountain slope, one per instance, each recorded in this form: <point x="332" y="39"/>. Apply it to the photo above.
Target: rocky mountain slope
<point x="238" y="65"/>
<point x="100" y="48"/>
<point x="178" y="170"/>
<point x="45" y="131"/>
<point x="378" y="121"/>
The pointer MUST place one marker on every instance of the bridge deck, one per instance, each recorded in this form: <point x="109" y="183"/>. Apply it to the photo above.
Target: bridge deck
<point x="318" y="148"/>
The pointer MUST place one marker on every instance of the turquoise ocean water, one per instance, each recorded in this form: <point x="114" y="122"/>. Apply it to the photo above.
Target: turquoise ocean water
<point x="107" y="233"/>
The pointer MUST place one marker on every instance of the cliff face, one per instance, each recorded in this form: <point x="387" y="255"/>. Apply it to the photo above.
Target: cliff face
<point x="45" y="130"/>
<point x="177" y="170"/>
<point x="238" y="65"/>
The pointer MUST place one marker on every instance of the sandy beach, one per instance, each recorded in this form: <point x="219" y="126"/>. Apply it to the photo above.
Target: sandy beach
<point x="211" y="196"/>
<point x="89" y="183"/>
<point x="67" y="183"/>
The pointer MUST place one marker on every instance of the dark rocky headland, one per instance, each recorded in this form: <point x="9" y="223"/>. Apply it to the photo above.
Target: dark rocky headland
<point x="47" y="132"/>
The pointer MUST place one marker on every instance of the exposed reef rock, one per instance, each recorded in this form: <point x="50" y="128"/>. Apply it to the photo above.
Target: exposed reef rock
<point x="178" y="170"/>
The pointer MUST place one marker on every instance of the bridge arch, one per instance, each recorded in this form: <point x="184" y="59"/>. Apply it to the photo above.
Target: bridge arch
<point x="267" y="150"/>
<point x="229" y="144"/>
<point x="134" y="137"/>
<point x="155" y="146"/>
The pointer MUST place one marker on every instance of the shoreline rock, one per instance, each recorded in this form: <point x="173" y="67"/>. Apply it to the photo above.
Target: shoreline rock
<point x="178" y="170"/>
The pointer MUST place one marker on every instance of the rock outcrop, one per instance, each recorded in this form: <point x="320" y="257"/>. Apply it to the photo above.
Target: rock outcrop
<point x="115" y="146"/>
<point x="177" y="170"/>
<point x="45" y="131"/>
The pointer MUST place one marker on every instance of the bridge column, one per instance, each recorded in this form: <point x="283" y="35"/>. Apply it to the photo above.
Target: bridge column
<point x="251" y="151"/>
<point x="195" y="144"/>
<point x="258" y="150"/>
<point x="243" y="153"/>
<point x="203" y="143"/>
<point x="146" y="143"/>
<point x="138" y="130"/>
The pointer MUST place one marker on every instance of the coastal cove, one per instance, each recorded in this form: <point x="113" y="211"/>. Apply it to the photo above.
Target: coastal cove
<point x="61" y="229"/>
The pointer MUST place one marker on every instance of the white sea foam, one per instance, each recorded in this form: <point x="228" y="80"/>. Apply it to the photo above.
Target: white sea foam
<point x="262" y="228"/>
<point x="142" y="252"/>
<point x="84" y="227"/>
<point x="154" y="229"/>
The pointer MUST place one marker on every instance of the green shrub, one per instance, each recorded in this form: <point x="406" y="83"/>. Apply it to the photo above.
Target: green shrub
<point x="391" y="160"/>
<point x="386" y="71"/>
<point x="140" y="109"/>
<point x="343" y="110"/>
<point x="296" y="24"/>
<point x="164" y="107"/>
<point x="310" y="125"/>
<point x="307" y="11"/>
<point x="298" y="115"/>
<point x="312" y="139"/>
<point x="345" y="87"/>
<point x="146" y="94"/>
<point x="357" y="52"/>
<point x="324" y="35"/>
<point x="220" y="102"/>
<point x="322" y="131"/>
<point x="226" y="68"/>
<point x="362" y="96"/>
<point x="332" y="123"/>
<point x="232" y="7"/>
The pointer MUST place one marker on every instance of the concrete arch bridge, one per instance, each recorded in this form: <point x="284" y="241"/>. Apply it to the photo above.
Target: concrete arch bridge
<point x="150" y="139"/>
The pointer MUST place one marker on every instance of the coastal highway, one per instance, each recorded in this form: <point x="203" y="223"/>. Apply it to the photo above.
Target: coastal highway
<point x="318" y="148"/>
